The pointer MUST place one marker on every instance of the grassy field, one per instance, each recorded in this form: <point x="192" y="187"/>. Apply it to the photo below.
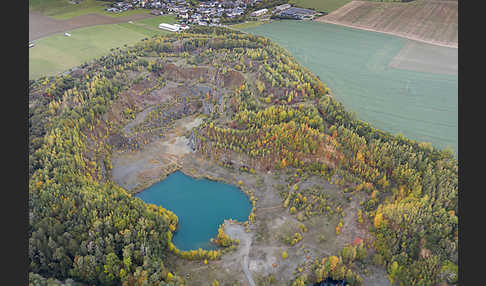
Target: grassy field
<point x="321" y="5"/>
<point x="249" y="24"/>
<point x="57" y="53"/>
<point x="419" y="105"/>
<point x="98" y="10"/>
<point x="155" y="21"/>
<point x="63" y="9"/>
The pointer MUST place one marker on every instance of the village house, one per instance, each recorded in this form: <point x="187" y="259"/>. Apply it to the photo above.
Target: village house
<point x="183" y="16"/>
<point x="298" y="13"/>
<point x="259" y="12"/>
<point x="280" y="8"/>
<point x="204" y="13"/>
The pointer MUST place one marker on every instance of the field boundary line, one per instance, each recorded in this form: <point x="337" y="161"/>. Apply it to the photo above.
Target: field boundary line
<point x="436" y="43"/>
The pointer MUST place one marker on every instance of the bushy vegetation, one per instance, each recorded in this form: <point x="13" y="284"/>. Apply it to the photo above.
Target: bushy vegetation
<point x="281" y="116"/>
<point x="338" y="268"/>
<point x="82" y="226"/>
<point x="413" y="194"/>
<point x="310" y="202"/>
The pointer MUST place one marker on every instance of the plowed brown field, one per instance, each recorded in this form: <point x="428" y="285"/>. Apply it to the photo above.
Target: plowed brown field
<point x="434" y="22"/>
<point x="41" y="26"/>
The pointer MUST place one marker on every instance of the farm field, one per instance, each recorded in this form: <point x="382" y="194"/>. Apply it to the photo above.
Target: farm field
<point x="320" y="5"/>
<point x="249" y="24"/>
<point x="434" y="22"/>
<point x="101" y="11"/>
<point x="64" y="9"/>
<point x="58" y="53"/>
<point x="422" y="57"/>
<point x="418" y="104"/>
<point x="153" y="22"/>
<point x="41" y="26"/>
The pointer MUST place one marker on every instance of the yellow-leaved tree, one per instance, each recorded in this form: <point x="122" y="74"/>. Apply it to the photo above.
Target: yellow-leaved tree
<point x="378" y="220"/>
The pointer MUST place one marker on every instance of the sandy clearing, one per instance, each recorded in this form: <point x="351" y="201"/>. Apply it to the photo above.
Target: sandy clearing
<point x="420" y="21"/>
<point x="177" y="146"/>
<point x="150" y="164"/>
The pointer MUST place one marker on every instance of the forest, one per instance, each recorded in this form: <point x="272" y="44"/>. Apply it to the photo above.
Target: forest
<point x="84" y="227"/>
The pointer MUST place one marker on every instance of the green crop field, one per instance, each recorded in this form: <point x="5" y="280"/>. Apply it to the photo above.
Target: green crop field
<point x="98" y="10"/>
<point x="154" y="22"/>
<point x="63" y="9"/>
<point x="59" y="8"/>
<point x="57" y="53"/>
<point x="249" y="24"/>
<point x="321" y="5"/>
<point x="355" y="66"/>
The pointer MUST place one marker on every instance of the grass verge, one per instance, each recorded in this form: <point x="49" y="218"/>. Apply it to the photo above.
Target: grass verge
<point x="249" y="24"/>
<point x="320" y="5"/>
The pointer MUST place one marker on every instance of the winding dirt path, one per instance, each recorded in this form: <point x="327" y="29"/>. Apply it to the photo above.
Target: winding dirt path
<point x="236" y="231"/>
<point x="41" y="26"/>
<point x="247" y="272"/>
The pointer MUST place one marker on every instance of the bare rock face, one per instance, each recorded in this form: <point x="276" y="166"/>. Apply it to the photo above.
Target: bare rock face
<point x="192" y="141"/>
<point x="207" y="107"/>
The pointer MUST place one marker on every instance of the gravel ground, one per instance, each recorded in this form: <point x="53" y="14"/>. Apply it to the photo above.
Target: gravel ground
<point x="150" y="163"/>
<point x="236" y="231"/>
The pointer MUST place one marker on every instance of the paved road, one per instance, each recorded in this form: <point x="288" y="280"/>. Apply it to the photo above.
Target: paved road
<point x="41" y="26"/>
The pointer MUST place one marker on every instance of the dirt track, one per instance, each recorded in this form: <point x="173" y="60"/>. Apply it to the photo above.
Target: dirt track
<point x="236" y="231"/>
<point x="41" y="26"/>
<point x="433" y="22"/>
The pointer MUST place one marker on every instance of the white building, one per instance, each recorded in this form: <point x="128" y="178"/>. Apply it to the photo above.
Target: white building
<point x="282" y="7"/>
<point x="169" y="27"/>
<point x="259" y="12"/>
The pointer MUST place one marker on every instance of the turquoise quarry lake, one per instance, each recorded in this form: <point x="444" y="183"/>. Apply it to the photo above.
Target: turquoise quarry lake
<point x="201" y="206"/>
<point x="355" y="65"/>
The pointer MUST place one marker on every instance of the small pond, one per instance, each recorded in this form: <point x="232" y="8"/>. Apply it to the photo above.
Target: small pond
<point x="201" y="206"/>
<point x="331" y="282"/>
